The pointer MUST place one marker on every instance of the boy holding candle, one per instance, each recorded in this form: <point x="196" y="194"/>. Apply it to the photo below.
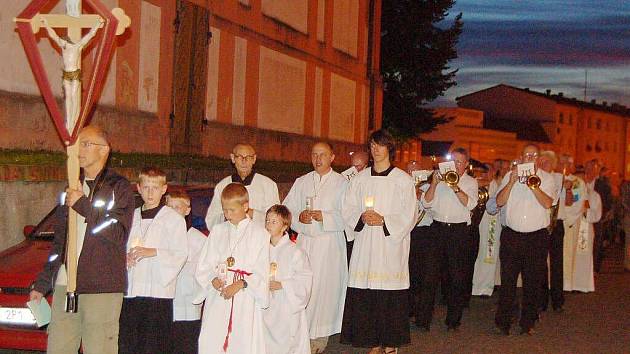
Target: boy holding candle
<point x="157" y="251"/>
<point x="286" y="327"/>
<point x="233" y="274"/>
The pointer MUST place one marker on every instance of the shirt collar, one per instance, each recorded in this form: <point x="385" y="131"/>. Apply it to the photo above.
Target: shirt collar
<point x="247" y="181"/>
<point x="381" y="174"/>
<point x="241" y="224"/>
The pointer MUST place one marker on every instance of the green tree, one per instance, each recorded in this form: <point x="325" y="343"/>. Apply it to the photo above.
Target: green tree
<point x="416" y="47"/>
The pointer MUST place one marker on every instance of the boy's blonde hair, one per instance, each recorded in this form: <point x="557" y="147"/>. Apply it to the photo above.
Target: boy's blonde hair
<point x="283" y="212"/>
<point x="235" y="192"/>
<point x="178" y="194"/>
<point x="152" y="173"/>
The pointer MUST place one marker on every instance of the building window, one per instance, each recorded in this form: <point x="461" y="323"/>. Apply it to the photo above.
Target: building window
<point x="608" y="126"/>
<point x="561" y="119"/>
<point x="598" y="147"/>
<point x="590" y="123"/>
<point x="558" y="130"/>
<point x="571" y="119"/>
<point x="598" y="124"/>
<point x="589" y="148"/>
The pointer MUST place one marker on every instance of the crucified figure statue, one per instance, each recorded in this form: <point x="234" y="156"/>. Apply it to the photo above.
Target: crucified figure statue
<point x="71" y="54"/>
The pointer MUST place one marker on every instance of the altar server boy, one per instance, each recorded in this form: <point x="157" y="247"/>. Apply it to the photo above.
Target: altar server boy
<point x="233" y="273"/>
<point x="186" y="315"/>
<point x="286" y="327"/>
<point x="157" y="251"/>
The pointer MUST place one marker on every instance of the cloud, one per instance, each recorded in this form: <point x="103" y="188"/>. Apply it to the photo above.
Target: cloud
<point x="545" y="44"/>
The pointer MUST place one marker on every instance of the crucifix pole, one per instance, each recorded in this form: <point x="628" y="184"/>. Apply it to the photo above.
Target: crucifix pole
<point x="73" y="168"/>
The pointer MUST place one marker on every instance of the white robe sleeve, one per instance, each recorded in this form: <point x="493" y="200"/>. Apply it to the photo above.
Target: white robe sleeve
<point x="298" y="287"/>
<point x="472" y="191"/>
<point x="352" y="207"/>
<point x="258" y="281"/>
<point x="214" y="214"/>
<point x="172" y="254"/>
<point x="206" y="271"/>
<point x="594" y="212"/>
<point x="399" y="223"/>
<point x="293" y="201"/>
<point x="271" y="197"/>
<point x="332" y="221"/>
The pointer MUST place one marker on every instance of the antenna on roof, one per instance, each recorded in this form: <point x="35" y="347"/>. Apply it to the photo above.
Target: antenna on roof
<point x="585" y="82"/>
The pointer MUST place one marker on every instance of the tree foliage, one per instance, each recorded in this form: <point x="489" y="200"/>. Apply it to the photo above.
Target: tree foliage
<point x="416" y="47"/>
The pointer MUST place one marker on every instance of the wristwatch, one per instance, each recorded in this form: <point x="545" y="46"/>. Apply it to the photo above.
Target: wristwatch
<point x="244" y="284"/>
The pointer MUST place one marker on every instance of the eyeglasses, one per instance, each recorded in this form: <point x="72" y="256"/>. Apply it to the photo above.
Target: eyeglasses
<point x="244" y="158"/>
<point x="87" y="144"/>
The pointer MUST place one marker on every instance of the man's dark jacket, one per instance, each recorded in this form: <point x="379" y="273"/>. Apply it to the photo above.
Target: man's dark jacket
<point x="108" y="212"/>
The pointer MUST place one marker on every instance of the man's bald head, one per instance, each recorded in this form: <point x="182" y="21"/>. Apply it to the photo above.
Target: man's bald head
<point x="242" y="148"/>
<point x="96" y="134"/>
<point x="360" y="160"/>
<point x="322" y="157"/>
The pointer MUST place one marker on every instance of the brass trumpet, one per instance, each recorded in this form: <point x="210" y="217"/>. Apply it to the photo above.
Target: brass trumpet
<point x="450" y="177"/>
<point x="533" y="181"/>
<point x="483" y="195"/>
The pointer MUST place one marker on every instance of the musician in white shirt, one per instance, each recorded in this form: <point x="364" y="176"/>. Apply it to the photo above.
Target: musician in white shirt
<point x="451" y="206"/>
<point x="523" y="241"/>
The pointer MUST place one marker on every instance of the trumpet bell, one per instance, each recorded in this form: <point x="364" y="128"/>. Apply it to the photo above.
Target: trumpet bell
<point x="484" y="195"/>
<point x="451" y="178"/>
<point x="533" y="181"/>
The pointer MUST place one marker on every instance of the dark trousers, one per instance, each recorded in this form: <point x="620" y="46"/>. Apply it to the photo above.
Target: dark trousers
<point x="423" y="255"/>
<point x="471" y="252"/>
<point x="186" y="336"/>
<point x="553" y="284"/>
<point x="598" y="246"/>
<point x="448" y="243"/>
<point x="145" y="326"/>
<point x="524" y="253"/>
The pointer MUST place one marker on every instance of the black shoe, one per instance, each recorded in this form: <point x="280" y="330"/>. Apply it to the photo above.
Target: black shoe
<point x="504" y="331"/>
<point x="529" y="331"/>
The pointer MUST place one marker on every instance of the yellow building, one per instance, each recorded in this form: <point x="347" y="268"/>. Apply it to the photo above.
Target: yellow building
<point x="585" y="130"/>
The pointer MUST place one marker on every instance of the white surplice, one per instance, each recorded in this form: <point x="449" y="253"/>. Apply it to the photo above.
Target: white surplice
<point x="248" y="244"/>
<point x="486" y="265"/>
<point x="157" y="276"/>
<point x="186" y="288"/>
<point x="263" y="193"/>
<point x="286" y="327"/>
<point x="381" y="261"/>
<point x="325" y="246"/>
<point x="582" y="278"/>
<point x="571" y="216"/>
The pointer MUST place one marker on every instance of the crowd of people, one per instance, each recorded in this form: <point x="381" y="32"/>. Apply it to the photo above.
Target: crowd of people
<point x="373" y="247"/>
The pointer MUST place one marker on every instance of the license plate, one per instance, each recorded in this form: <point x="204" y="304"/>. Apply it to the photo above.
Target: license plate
<point x="16" y="316"/>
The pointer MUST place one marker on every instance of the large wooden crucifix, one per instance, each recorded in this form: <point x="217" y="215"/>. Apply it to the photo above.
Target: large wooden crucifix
<point x="77" y="107"/>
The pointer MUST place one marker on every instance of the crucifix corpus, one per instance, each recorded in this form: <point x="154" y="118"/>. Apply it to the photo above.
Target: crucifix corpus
<point x="77" y="106"/>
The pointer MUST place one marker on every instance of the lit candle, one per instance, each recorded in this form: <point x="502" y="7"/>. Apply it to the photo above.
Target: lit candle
<point x="309" y="203"/>
<point x="369" y="202"/>
<point x="136" y="242"/>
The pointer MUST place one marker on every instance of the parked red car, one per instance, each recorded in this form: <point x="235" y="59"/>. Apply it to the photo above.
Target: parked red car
<point x="20" y="264"/>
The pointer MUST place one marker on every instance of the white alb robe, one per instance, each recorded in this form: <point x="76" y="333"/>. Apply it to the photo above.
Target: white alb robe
<point x="325" y="246"/>
<point x="486" y="265"/>
<point x="286" y="326"/>
<point x="582" y="278"/>
<point x="248" y="244"/>
<point x="263" y="193"/>
<point x="378" y="261"/>
<point x="571" y="217"/>
<point x="157" y="276"/>
<point x="186" y="288"/>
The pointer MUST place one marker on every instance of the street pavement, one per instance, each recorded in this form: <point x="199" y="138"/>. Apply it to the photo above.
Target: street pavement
<point x="596" y="322"/>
